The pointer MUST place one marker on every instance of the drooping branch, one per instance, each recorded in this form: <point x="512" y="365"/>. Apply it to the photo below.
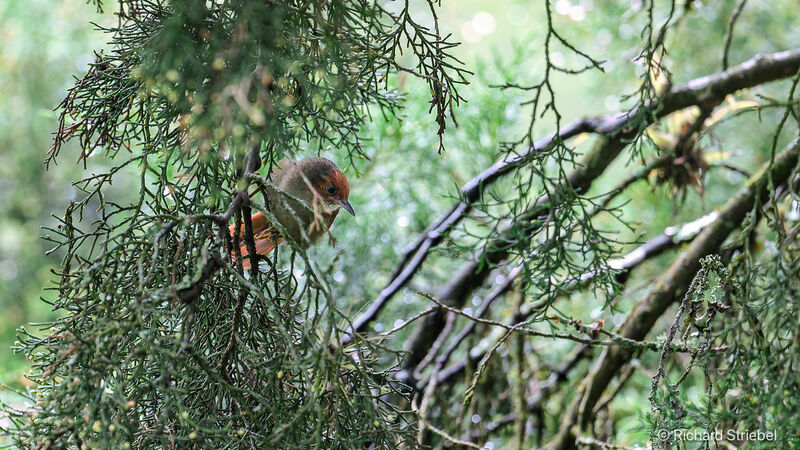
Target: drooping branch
<point x="671" y="286"/>
<point x="499" y="291"/>
<point x="706" y="91"/>
<point x="623" y="265"/>
<point x="670" y="238"/>
<point x="211" y="262"/>
<point x="474" y="273"/>
<point x="618" y="127"/>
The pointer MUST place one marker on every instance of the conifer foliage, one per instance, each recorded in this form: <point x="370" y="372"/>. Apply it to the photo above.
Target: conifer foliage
<point x="591" y="326"/>
<point x="164" y="340"/>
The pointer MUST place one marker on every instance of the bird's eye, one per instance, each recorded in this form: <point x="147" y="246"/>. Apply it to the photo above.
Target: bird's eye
<point x="331" y="189"/>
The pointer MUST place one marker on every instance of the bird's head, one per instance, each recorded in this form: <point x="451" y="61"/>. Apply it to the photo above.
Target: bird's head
<point x="329" y="182"/>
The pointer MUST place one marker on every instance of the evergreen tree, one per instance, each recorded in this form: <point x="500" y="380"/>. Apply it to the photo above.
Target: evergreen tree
<point x="164" y="341"/>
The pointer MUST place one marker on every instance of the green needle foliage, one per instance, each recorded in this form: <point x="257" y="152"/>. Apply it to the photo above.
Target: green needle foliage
<point x="162" y="340"/>
<point x="617" y="265"/>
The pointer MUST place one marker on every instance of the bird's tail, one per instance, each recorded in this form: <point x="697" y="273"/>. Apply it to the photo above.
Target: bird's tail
<point x="265" y="237"/>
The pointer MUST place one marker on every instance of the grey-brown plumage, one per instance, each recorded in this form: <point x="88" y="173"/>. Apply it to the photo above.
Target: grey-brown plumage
<point x="304" y="198"/>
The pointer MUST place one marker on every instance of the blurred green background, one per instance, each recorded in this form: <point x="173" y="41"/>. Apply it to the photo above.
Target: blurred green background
<point x="44" y="44"/>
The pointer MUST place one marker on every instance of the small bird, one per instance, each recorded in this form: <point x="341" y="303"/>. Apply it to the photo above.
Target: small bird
<point x="307" y="198"/>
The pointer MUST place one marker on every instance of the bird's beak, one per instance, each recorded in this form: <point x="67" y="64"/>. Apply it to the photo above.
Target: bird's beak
<point x="346" y="205"/>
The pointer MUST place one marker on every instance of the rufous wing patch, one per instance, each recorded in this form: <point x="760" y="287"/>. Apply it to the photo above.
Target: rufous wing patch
<point x="265" y="238"/>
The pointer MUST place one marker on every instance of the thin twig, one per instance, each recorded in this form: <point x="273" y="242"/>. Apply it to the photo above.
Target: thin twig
<point x="757" y="70"/>
<point x="729" y="34"/>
